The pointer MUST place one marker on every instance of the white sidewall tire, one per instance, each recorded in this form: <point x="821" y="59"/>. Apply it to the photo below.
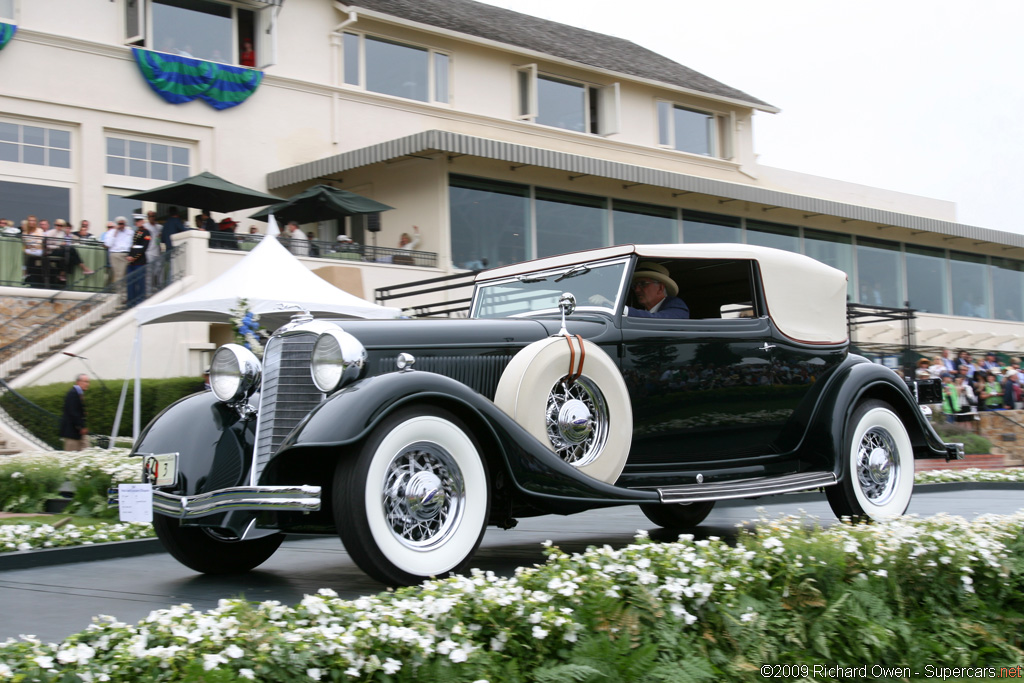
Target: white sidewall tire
<point x="896" y="503"/>
<point x="463" y="540"/>
<point x="527" y="381"/>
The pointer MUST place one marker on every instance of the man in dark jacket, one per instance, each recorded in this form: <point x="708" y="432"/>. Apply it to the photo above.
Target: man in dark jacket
<point x="72" y="421"/>
<point x="172" y="226"/>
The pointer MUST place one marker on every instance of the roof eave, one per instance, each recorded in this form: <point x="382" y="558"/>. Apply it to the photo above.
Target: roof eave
<point x="536" y="54"/>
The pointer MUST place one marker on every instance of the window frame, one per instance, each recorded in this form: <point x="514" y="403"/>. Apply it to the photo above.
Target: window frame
<point x="44" y="170"/>
<point x="600" y="101"/>
<point x="720" y="140"/>
<point x="139" y="13"/>
<point x="13" y="17"/>
<point x="431" y="70"/>
<point x="128" y="181"/>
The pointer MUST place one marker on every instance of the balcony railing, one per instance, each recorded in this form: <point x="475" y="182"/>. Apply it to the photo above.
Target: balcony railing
<point x="53" y="263"/>
<point x="331" y="250"/>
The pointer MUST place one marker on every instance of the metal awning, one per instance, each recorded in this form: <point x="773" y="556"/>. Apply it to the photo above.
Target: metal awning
<point x="434" y="141"/>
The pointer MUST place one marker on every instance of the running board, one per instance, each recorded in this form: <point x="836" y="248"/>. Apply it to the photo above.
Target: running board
<point x="747" y="488"/>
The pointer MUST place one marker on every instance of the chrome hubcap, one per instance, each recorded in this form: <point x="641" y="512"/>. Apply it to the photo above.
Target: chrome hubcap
<point x="577" y="421"/>
<point x="424" y="496"/>
<point x="574" y="421"/>
<point x="878" y="467"/>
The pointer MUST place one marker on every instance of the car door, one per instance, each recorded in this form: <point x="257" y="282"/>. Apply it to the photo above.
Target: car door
<point x="704" y="390"/>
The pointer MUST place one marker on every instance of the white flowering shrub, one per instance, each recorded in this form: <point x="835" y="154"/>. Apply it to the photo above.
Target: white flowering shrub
<point x="27" y="480"/>
<point x="940" y="591"/>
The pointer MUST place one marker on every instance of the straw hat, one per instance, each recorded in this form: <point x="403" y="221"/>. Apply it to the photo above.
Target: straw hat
<point x="658" y="272"/>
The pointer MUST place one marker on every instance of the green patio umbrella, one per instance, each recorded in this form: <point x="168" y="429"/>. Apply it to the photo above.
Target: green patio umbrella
<point x="206" y="191"/>
<point x="321" y="203"/>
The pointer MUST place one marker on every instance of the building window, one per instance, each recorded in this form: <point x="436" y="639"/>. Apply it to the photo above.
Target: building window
<point x="36" y="145"/>
<point x="204" y="29"/>
<point x="635" y="223"/>
<point x="503" y="207"/>
<point x="141" y="159"/>
<point x="117" y="205"/>
<point x="567" y="221"/>
<point x="926" y="279"/>
<point x="782" y="237"/>
<point x="691" y="130"/>
<point x="832" y="249"/>
<point x="709" y="228"/>
<point x="1008" y="289"/>
<point x="398" y="69"/>
<point x="969" y="275"/>
<point x="567" y="104"/>
<point x="21" y="200"/>
<point x="6" y="10"/>
<point x="879" y="273"/>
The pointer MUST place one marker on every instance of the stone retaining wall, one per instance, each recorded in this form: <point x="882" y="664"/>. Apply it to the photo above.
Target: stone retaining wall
<point x="1005" y="429"/>
<point x="13" y="306"/>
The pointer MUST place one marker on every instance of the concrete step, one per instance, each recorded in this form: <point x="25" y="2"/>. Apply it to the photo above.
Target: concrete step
<point x="989" y="461"/>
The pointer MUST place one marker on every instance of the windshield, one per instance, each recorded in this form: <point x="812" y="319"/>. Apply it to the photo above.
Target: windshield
<point x="595" y="285"/>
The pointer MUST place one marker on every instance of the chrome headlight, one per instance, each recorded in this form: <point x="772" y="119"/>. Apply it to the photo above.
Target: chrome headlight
<point x="338" y="359"/>
<point x="234" y="373"/>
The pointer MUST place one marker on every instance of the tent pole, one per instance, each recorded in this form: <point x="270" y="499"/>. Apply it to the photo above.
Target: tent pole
<point x="137" y="398"/>
<point x="124" y="391"/>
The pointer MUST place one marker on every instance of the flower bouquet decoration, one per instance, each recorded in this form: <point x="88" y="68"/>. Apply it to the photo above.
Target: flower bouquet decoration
<point x="247" y="329"/>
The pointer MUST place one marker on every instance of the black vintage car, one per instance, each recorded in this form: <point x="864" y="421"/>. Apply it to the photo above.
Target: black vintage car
<point x="409" y="437"/>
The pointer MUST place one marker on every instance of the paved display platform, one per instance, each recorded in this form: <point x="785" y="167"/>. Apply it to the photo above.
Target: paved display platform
<point x="52" y="601"/>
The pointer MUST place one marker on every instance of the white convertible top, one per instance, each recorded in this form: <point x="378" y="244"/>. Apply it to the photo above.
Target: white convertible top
<point x="806" y="298"/>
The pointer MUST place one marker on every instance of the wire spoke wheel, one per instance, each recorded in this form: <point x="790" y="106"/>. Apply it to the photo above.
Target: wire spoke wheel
<point x="424" y="495"/>
<point x="576" y="419"/>
<point x="878" y="466"/>
<point x="876" y="474"/>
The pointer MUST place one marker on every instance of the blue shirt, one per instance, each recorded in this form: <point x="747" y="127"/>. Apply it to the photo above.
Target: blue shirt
<point x="671" y="307"/>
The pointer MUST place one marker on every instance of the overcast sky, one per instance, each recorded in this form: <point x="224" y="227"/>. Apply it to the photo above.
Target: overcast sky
<point x="918" y="96"/>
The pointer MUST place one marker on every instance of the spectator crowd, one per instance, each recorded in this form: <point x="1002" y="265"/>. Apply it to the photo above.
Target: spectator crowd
<point x="970" y="386"/>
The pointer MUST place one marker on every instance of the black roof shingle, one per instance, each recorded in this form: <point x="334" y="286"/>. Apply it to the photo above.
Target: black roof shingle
<point x="559" y="40"/>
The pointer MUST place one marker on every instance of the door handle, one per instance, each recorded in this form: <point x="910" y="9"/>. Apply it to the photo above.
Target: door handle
<point x="766" y="347"/>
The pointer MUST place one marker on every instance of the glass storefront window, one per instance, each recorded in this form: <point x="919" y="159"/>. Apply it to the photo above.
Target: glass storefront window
<point x="832" y="249"/>
<point x="635" y="223"/>
<point x="969" y="275"/>
<point x="707" y="228"/>
<point x="119" y="206"/>
<point x="879" y="273"/>
<point x="21" y="200"/>
<point x="569" y="222"/>
<point x="1008" y="289"/>
<point x="490" y="222"/>
<point x="926" y="279"/>
<point x="771" y="235"/>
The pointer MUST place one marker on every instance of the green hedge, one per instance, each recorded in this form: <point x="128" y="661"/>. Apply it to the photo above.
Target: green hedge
<point x="100" y="405"/>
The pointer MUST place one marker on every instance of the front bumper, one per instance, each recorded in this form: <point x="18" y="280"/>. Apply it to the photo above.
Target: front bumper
<point x="256" y="498"/>
<point x="954" y="451"/>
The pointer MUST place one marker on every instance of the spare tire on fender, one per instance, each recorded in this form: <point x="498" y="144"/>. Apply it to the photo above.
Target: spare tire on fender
<point x="570" y="395"/>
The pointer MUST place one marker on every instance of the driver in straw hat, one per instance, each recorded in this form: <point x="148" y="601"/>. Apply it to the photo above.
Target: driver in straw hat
<point x="656" y="293"/>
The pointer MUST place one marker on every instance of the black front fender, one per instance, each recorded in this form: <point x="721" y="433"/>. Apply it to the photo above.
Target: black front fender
<point x="213" y="443"/>
<point x="350" y="415"/>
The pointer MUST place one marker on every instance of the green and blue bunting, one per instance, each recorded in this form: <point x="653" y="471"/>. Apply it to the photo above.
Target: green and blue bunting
<point x="7" y="32"/>
<point x="182" y="79"/>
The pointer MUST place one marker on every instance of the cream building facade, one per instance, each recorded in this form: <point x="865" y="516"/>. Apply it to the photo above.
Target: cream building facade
<point x="500" y="136"/>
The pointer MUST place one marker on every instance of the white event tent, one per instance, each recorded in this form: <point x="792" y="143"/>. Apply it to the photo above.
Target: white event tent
<point x="273" y="283"/>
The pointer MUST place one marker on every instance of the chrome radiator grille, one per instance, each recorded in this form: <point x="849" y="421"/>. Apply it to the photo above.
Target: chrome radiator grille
<point x="287" y="394"/>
